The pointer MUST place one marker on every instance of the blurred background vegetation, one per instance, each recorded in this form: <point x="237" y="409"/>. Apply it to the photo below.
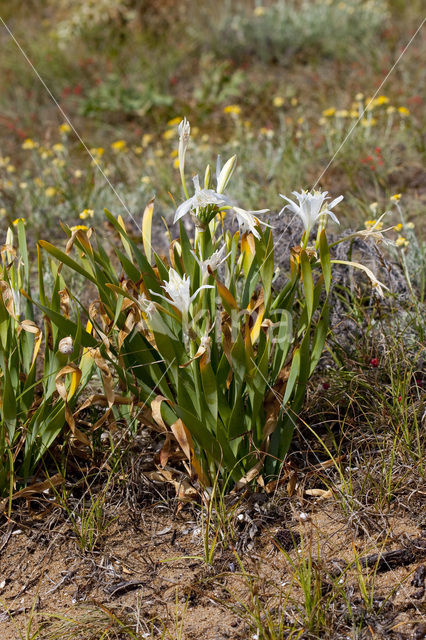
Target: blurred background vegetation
<point x="280" y="83"/>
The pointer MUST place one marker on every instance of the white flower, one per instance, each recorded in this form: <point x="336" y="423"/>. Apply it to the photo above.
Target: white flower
<point x="213" y="262"/>
<point x="311" y="206"/>
<point x="184" y="133"/>
<point x="202" y="198"/>
<point x="247" y="221"/>
<point x="179" y="291"/>
<point x="147" y="306"/>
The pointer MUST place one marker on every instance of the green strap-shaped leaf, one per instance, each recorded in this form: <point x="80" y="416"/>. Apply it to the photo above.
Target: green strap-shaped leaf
<point x="325" y="260"/>
<point x="292" y="377"/>
<point x="308" y="284"/>
<point x="209" y="383"/>
<point x="267" y="264"/>
<point x="63" y="257"/>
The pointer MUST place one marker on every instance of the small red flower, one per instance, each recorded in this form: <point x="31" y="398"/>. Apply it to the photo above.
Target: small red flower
<point x="325" y="386"/>
<point x="399" y="398"/>
<point x="378" y="151"/>
<point x="374" y="362"/>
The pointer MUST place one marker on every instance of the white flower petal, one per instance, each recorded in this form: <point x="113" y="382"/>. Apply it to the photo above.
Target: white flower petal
<point x="183" y="209"/>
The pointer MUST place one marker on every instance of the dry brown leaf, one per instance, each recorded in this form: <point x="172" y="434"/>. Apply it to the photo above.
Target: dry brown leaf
<point x="33" y="489"/>
<point x="292" y="482"/>
<point x="183" y="437"/>
<point x="322" y="494"/>
<point x="156" y="411"/>
<point x="166" y="450"/>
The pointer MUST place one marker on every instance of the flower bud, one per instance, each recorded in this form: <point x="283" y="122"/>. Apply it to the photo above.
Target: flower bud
<point x="225" y="174"/>
<point x="66" y="346"/>
<point x="207" y="177"/>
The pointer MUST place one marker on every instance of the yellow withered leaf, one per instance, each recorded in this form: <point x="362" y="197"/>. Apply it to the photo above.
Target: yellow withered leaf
<point x="75" y="381"/>
<point x="146" y="228"/>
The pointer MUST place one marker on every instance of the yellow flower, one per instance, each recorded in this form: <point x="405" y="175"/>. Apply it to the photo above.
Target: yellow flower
<point x="329" y="112"/>
<point x="410" y="225"/>
<point x="259" y="11"/>
<point x="294" y="102"/>
<point x="58" y="148"/>
<point x="176" y="163"/>
<point x="86" y="213"/>
<point x="145" y="179"/>
<point x="195" y="131"/>
<point x="359" y="97"/>
<point x="15" y="222"/>
<point x="396" y="197"/>
<point x="119" y="146"/>
<point x="376" y="102"/>
<point x="174" y="153"/>
<point x="233" y="109"/>
<point x="58" y="162"/>
<point x="79" y="227"/>
<point x="269" y="133"/>
<point x="378" y="226"/>
<point x="64" y="128"/>
<point x="44" y="153"/>
<point x="390" y="109"/>
<point x="401" y="242"/>
<point x="97" y="152"/>
<point x="10" y="168"/>
<point x="38" y="181"/>
<point x="368" y="122"/>
<point x="278" y="101"/>
<point x="169" y="134"/>
<point x="404" y="111"/>
<point x="138" y="150"/>
<point x="353" y="113"/>
<point x="398" y="227"/>
<point x="23" y="185"/>
<point x="342" y="113"/>
<point x="159" y="153"/>
<point x="3" y="211"/>
<point x="29" y="144"/>
<point x="78" y="173"/>
<point x="300" y="120"/>
<point x="174" y="121"/>
<point x="381" y="100"/>
<point x="50" y="192"/>
<point x="146" y="139"/>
